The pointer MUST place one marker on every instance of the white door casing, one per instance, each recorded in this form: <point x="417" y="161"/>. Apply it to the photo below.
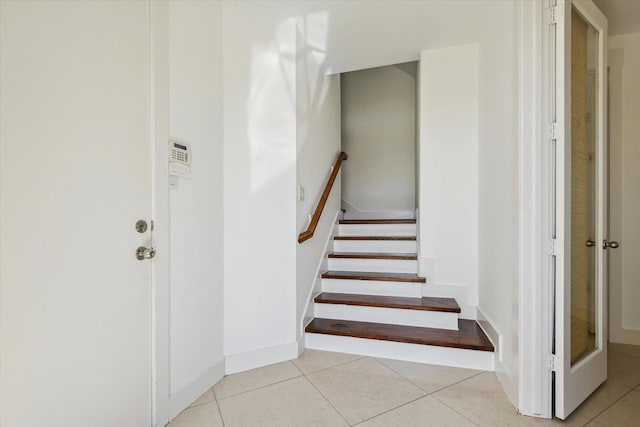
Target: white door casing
<point x="76" y="305"/>
<point x="574" y="383"/>
<point x="624" y="185"/>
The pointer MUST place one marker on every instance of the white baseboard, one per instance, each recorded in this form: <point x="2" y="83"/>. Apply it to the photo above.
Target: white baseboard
<point x="181" y="400"/>
<point x="625" y="336"/>
<point x="496" y="337"/>
<point x="492" y="333"/>
<point x="260" y="357"/>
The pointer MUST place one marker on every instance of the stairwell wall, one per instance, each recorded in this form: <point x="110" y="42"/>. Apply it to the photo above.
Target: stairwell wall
<point x="318" y="146"/>
<point x="259" y="62"/>
<point x="468" y="181"/>
<point x="378" y="130"/>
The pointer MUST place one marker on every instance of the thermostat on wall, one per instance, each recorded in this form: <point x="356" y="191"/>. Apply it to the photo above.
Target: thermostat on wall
<point x="179" y="158"/>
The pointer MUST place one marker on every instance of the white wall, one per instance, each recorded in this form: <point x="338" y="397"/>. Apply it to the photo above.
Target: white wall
<point x="196" y="212"/>
<point x="624" y="185"/>
<point x="498" y="195"/>
<point x="318" y="146"/>
<point x="469" y="180"/>
<point x="378" y="132"/>
<point x="260" y="185"/>
<point x="449" y="167"/>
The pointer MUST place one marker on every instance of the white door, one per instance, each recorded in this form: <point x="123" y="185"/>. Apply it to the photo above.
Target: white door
<point x="580" y="203"/>
<point x="75" y="179"/>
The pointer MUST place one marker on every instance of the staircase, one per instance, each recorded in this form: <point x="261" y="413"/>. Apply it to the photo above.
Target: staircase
<point x="372" y="302"/>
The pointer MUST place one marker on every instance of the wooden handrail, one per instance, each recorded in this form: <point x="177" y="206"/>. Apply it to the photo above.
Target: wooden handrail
<point x="308" y="233"/>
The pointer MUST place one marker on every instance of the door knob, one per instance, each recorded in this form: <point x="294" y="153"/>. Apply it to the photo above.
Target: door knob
<point x="610" y="244"/>
<point x="143" y="253"/>
<point x="589" y="243"/>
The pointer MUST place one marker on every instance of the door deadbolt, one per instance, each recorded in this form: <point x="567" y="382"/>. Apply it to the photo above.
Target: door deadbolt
<point x="141" y="226"/>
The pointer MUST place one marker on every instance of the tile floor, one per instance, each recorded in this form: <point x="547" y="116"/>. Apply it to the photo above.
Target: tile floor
<point x="334" y="389"/>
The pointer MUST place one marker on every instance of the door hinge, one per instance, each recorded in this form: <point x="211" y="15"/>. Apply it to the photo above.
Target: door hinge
<point x="555" y="14"/>
<point x="554" y="246"/>
<point x="551" y="362"/>
<point x="552" y="131"/>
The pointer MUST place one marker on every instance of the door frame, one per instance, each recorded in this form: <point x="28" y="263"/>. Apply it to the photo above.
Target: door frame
<point x="534" y="342"/>
<point x="159" y="131"/>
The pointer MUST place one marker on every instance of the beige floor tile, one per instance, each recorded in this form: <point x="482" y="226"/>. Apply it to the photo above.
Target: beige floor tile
<point x="207" y="397"/>
<point x="206" y="415"/>
<point x="315" y="360"/>
<point x="623" y="369"/>
<point x="425" y="412"/>
<point x="364" y="388"/>
<point x="623" y="413"/>
<point x="255" y="378"/>
<point x="482" y="400"/>
<point x="292" y="403"/>
<point x="594" y="424"/>
<point x="626" y="349"/>
<point x="602" y="398"/>
<point x="430" y="378"/>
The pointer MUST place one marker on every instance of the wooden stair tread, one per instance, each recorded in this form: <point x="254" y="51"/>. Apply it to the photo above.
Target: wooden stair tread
<point x="374" y="238"/>
<point x="469" y="336"/>
<point x="374" y="255"/>
<point x="385" y="277"/>
<point x="448" y="305"/>
<point x="377" y="221"/>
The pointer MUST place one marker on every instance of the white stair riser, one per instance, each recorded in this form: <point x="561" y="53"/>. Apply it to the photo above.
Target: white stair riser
<point x="374" y="265"/>
<point x="446" y="356"/>
<point x="372" y="287"/>
<point x="377" y="229"/>
<point x="376" y="246"/>
<point x="389" y="316"/>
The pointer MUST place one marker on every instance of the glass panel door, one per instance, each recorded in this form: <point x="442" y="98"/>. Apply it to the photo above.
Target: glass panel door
<point x="579" y="197"/>
<point x="584" y="57"/>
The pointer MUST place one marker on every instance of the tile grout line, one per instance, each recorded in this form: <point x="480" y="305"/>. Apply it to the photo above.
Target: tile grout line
<point x="440" y="389"/>
<point x="220" y="412"/>
<point x="360" y="422"/>
<point x="477" y="423"/>
<point x="260" y="388"/>
<point x="327" y="400"/>
<point x="392" y="409"/>
<point x="608" y="407"/>
<point x="454" y="409"/>
<point x="334" y="366"/>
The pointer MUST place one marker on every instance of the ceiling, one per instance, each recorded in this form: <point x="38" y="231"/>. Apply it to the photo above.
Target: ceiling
<point x="623" y="15"/>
